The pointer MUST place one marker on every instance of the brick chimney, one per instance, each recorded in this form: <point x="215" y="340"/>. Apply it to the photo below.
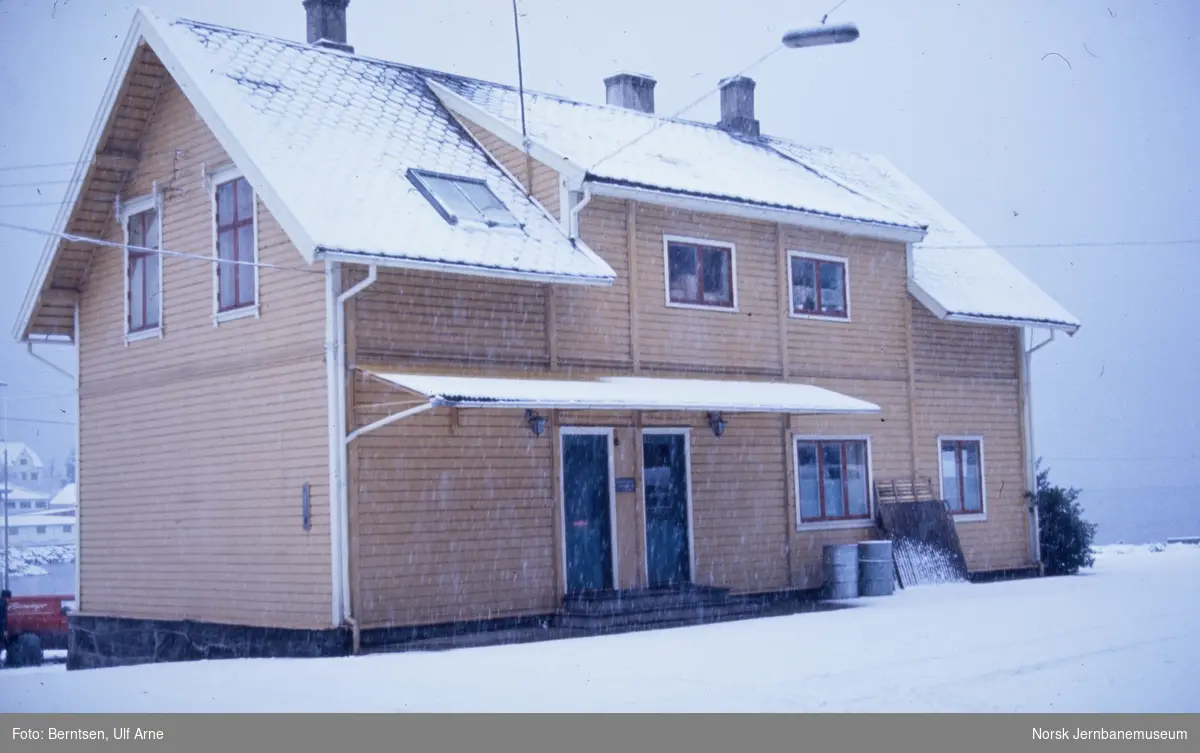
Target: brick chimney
<point x="737" y="107"/>
<point x="633" y="91"/>
<point x="327" y="23"/>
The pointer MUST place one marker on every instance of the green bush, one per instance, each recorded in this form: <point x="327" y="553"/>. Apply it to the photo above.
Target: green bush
<point x="1066" y="537"/>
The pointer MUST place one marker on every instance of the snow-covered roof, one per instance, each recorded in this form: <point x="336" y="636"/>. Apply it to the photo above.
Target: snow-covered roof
<point x="955" y="273"/>
<point x="66" y="497"/>
<point x="969" y="281"/>
<point x="41" y="518"/>
<point x="15" y="449"/>
<point x="679" y="155"/>
<point x="628" y="393"/>
<point x="21" y="494"/>
<point x="327" y="138"/>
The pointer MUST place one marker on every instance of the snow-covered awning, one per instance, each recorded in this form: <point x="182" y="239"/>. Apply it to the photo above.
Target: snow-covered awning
<point x="628" y="393"/>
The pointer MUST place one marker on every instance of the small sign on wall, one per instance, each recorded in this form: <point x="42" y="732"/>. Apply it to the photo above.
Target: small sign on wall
<point x="625" y="485"/>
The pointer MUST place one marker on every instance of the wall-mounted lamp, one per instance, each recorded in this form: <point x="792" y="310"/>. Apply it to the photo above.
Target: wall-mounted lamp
<point x="717" y="422"/>
<point x="536" y="423"/>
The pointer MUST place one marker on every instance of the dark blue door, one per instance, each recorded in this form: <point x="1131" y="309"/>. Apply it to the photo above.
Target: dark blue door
<point x="668" y="556"/>
<point x="587" y="512"/>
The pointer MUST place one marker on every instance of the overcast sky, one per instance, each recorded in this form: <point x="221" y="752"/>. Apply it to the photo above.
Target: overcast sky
<point x="1034" y="121"/>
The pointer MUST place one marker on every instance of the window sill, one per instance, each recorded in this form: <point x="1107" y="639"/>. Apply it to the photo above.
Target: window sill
<point x="482" y="227"/>
<point x="703" y="307"/>
<point x="974" y="517"/>
<point x="834" y="525"/>
<point x="821" y="317"/>
<point x="240" y="313"/>
<point x="145" y="334"/>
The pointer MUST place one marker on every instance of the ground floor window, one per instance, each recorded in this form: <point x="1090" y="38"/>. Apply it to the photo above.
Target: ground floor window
<point x="962" y="474"/>
<point x="832" y="481"/>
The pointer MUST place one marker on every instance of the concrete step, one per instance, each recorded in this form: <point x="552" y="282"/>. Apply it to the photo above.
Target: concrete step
<point x="473" y="640"/>
<point x="666" y="617"/>
<point x="642" y="600"/>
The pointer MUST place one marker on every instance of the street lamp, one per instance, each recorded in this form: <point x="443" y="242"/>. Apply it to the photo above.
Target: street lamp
<point x="821" y="35"/>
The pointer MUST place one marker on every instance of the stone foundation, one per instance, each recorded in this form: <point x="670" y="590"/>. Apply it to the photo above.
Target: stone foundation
<point x="96" y="641"/>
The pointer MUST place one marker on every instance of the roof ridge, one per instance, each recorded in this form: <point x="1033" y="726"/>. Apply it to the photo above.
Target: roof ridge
<point x="424" y="70"/>
<point x="410" y="67"/>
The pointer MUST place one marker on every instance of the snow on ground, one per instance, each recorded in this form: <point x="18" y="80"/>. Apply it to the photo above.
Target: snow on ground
<point x="1119" y="638"/>
<point x="29" y="561"/>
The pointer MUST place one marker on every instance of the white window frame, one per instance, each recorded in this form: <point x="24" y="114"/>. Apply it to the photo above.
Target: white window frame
<point x="420" y="178"/>
<point x="686" y="431"/>
<point x="607" y="431"/>
<point x="666" y="246"/>
<point x="834" y="525"/>
<point x="844" y="261"/>
<point x="972" y="517"/>
<point x="129" y="209"/>
<point x="215" y="180"/>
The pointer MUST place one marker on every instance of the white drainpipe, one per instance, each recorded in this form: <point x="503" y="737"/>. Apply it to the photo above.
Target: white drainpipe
<point x="78" y="465"/>
<point x="575" y="210"/>
<point x="333" y="347"/>
<point x="1026" y="363"/>
<point x="335" y="369"/>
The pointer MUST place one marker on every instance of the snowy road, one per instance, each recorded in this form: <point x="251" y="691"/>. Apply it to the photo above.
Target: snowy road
<point x="1121" y="638"/>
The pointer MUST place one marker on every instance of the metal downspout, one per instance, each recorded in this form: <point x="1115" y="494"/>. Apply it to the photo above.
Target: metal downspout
<point x="332" y="361"/>
<point x="575" y="210"/>
<point x="1035" y="537"/>
<point x="342" y="486"/>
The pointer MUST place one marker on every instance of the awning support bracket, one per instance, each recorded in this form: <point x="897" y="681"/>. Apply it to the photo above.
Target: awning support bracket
<point x="393" y="418"/>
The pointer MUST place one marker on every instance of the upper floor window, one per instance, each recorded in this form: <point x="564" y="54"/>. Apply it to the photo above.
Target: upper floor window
<point x="832" y="481"/>
<point x="458" y="198"/>
<point x="236" y="247"/>
<point x="961" y="460"/>
<point x="700" y="273"/>
<point x="819" y="285"/>
<point x="143" y="268"/>
<point x="23" y="461"/>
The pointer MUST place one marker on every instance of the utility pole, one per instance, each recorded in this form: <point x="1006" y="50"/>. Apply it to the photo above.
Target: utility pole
<point x="4" y="431"/>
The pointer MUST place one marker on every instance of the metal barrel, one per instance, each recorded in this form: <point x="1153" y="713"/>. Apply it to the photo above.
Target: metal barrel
<point x="876" y="570"/>
<point x="841" y="571"/>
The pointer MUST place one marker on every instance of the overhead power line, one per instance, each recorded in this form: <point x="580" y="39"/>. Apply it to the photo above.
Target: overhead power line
<point x="1075" y="244"/>
<point x="40" y="421"/>
<point x="33" y="204"/>
<point x="36" y="183"/>
<point x="10" y="168"/>
<point x="160" y="251"/>
<point x="210" y="259"/>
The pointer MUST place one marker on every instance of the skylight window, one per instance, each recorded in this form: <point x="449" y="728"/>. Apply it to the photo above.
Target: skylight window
<point x="463" y="199"/>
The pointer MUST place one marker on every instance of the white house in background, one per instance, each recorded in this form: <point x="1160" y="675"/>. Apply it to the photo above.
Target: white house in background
<point x="66" y="498"/>
<point x="42" y="529"/>
<point x="23" y="463"/>
<point x="19" y="499"/>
